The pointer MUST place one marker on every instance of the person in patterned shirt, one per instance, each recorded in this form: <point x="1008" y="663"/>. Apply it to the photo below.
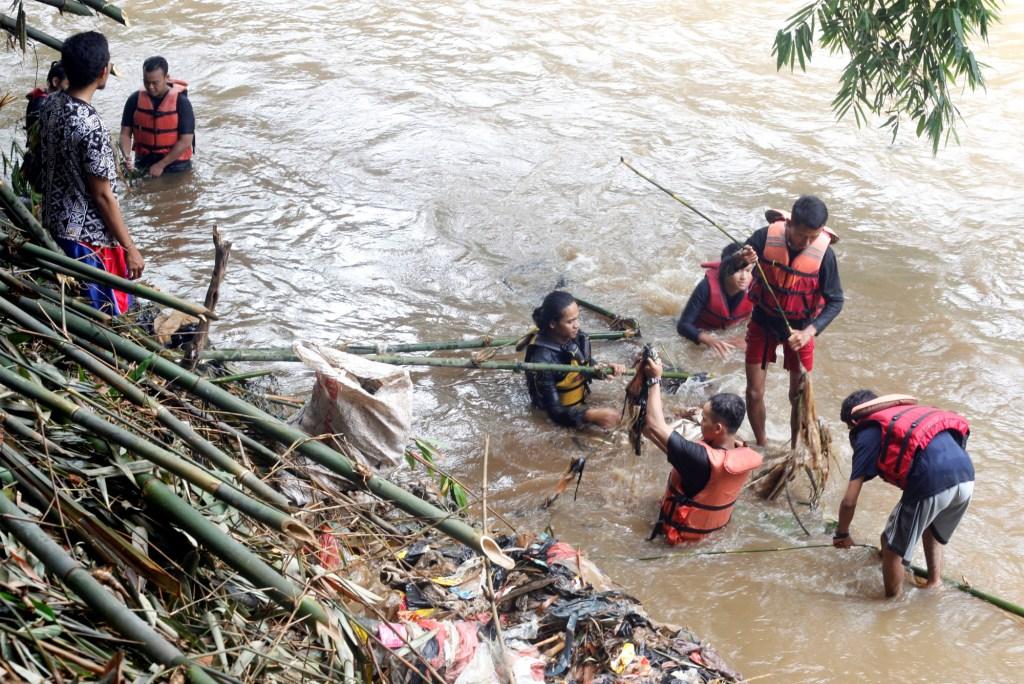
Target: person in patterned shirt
<point x="79" y="178"/>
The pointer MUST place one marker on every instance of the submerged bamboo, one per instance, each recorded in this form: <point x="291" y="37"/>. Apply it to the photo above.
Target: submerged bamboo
<point x="158" y="456"/>
<point x="615" y="321"/>
<point x="199" y="445"/>
<point x="274" y="428"/>
<point x="79" y="580"/>
<point x="517" y="366"/>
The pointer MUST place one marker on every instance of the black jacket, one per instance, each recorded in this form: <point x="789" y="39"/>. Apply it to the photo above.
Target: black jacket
<point x="541" y="384"/>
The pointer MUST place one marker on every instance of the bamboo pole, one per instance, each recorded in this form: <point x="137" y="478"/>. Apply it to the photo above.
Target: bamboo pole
<point x="105" y="8"/>
<point x="268" y="355"/>
<point x="11" y="26"/>
<point x="69" y="6"/>
<point x="158" y="456"/>
<point x="79" y="580"/>
<point x="23" y="218"/>
<point x="131" y="391"/>
<point x="615" y="321"/>
<point x="222" y="252"/>
<point x="286" y="354"/>
<point x="516" y="366"/>
<point x="281" y="590"/>
<point x="276" y="429"/>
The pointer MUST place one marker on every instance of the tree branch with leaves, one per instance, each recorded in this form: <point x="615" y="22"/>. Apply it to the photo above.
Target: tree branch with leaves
<point x="906" y="57"/>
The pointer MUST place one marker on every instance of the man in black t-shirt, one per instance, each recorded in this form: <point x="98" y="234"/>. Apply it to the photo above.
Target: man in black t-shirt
<point x="160" y="131"/>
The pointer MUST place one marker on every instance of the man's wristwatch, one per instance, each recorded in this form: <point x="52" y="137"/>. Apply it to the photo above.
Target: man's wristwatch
<point x="840" y="535"/>
<point x="653" y="381"/>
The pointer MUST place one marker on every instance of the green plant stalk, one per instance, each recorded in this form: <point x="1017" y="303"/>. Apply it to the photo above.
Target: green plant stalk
<point x="69" y="6"/>
<point x="108" y="544"/>
<point x="21" y="215"/>
<point x="160" y="457"/>
<point x="59" y="263"/>
<point x="997" y="601"/>
<point x="105" y="8"/>
<point x="286" y="354"/>
<point x="517" y="366"/>
<point x="280" y="589"/>
<point x="79" y="580"/>
<point x="224" y="379"/>
<point x="267" y="355"/>
<point x="131" y="391"/>
<point x="11" y="26"/>
<point x="274" y="428"/>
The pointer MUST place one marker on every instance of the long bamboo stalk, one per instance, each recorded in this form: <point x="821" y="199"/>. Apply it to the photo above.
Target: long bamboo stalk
<point x="165" y="459"/>
<point x="517" y="366"/>
<point x="105" y="8"/>
<point x="268" y="355"/>
<point x="69" y="6"/>
<point x="108" y="544"/>
<point x="614" y="320"/>
<point x="131" y="391"/>
<point x="281" y="590"/>
<point x="286" y="354"/>
<point x="11" y="26"/>
<point x="997" y="601"/>
<point x="113" y="610"/>
<point x="59" y="263"/>
<point x="274" y="428"/>
<point x="23" y="218"/>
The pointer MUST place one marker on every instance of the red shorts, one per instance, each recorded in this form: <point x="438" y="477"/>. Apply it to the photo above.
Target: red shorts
<point x="761" y="350"/>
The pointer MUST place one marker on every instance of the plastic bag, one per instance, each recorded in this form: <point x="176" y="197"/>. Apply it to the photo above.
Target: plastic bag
<point x="368" y="403"/>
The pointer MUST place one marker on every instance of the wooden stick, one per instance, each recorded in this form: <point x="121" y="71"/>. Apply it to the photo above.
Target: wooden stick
<point x="222" y="251"/>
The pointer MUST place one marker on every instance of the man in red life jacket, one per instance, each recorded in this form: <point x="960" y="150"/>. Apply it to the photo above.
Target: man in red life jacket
<point x="707" y="476"/>
<point x="158" y="123"/>
<point x="921" y="450"/>
<point x="719" y="302"/>
<point x="802" y="274"/>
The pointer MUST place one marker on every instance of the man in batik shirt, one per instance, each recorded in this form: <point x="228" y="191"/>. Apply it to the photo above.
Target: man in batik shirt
<point x="80" y="206"/>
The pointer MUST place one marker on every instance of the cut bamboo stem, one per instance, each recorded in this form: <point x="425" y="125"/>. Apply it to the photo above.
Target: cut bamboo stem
<point x="80" y="581"/>
<point x="274" y="428"/>
<point x="286" y="354"/>
<point x="21" y="215"/>
<point x="267" y="355"/>
<point x="69" y="6"/>
<point x="165" y="459"/>
<point x="221" y="253"/>
<point x="105" y="8"/>
<point x="133" y="393"/>
<point x="281" y="590"/>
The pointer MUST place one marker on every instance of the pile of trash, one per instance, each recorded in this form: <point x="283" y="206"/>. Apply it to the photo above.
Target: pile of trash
<point x="449" y="615"/>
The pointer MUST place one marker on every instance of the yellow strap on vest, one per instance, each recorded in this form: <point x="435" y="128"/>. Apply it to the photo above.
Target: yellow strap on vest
<point x="572" y="388"/>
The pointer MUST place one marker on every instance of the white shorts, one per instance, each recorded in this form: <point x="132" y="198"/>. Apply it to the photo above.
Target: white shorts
<point x="940" y="512"/>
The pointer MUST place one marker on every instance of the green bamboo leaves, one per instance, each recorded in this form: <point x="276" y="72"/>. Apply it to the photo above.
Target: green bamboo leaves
<point x="905" y="57"/>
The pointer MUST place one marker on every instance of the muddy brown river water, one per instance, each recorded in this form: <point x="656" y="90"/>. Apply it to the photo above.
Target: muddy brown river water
<point x="425" y="171"/>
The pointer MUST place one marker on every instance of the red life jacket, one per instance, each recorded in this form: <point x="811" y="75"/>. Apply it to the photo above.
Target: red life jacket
<point x="685" y="519"/>
<point x="716" y="314"/>
<point x="35" y="94"/>
<point x="795" y="284"/>
<point x="155" y="129"/>
<point x="906" y="429"/>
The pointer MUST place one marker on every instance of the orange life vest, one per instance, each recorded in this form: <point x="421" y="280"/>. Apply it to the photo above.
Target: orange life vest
<point x="907" y="428"/>
<point x="155" y="129"/>
<point x="795" y="283"/>
<point x="716" y="314"/>
<point x="688" y="519"/>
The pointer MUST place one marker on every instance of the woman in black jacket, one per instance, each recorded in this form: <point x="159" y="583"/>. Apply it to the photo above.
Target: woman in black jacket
<point x="559" y="340"/>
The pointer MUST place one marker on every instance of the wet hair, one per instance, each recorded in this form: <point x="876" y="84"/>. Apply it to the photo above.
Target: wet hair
<point x="809" y="211"/>
<point x="550" y="310"/>
<point x="154" y="63"/>
<point x="729" y="409"/>
<point x="855" y="399"/>
<point x="728" y="263"/>
<point x="84" y="56"/>
<point x="56" y="71"/>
